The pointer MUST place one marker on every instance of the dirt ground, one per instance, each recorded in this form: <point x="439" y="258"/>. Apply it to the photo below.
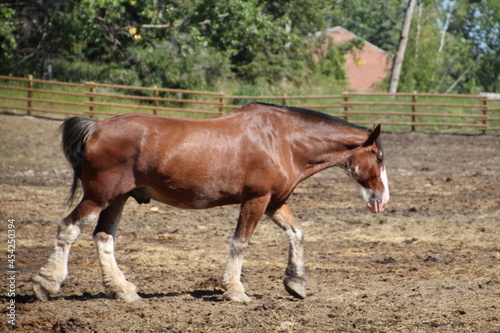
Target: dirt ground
<point x="429" y="263"/>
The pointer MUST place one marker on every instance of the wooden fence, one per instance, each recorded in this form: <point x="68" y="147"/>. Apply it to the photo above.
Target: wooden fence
<point x="400" y="111"/>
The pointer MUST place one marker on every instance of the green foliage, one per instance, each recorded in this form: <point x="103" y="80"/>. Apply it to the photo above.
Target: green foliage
<point x="74" y="70"/>
<point x="331" y="64"/>
<point x="477" y="23"/>
<point x="168" y="64"/>
<point x="489" y="72"/>
<point x="302" y="17"/>
<point x="104" y="26"/>
<point x="250" y="37"/>
<point x="459" y="57"/>
<point x="8" y="43"/>
<point x="379" y="22"/>
<point x="206" y="44"/>
<point x="422" y="64"/>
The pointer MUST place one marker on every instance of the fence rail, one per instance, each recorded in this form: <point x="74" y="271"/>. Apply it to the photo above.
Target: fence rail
<point x="399" y="111"/>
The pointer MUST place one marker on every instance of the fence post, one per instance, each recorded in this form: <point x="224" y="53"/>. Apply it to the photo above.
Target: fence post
<point x="345" y="97"/>
<point x="485" y="114"/>
<point x="155" y="101"/>
<point x="221" y="103"/>
<point x="285" y="101"/>
<point x="91" y="98"/>
<point x="30" y="94"/>
<point x="413" y="110"/>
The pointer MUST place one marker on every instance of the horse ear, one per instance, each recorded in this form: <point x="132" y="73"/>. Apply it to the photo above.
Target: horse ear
<point x="373" y="136"/>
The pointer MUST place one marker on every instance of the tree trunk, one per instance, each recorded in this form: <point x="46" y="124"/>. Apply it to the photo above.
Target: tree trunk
<point x="46" y="65"/>
<point x="45" y="43"/>
<point x="419" y="29"/>
<point x="441" y="44"/>
<point x="400" y="54"/>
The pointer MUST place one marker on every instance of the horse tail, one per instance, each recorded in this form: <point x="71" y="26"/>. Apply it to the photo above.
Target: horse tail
<point x="75" y="133"/>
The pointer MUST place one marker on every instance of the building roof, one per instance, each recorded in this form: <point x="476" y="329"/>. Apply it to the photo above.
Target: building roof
<point x="367" y="67"/>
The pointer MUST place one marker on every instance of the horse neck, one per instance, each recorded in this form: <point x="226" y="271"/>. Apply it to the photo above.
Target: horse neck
<point x="325" y="145"/>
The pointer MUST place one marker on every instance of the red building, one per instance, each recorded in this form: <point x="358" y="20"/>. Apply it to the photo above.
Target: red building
<point x="365" y="68"/>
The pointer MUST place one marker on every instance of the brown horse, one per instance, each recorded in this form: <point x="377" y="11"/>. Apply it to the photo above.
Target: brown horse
<point x="254" y="157"/>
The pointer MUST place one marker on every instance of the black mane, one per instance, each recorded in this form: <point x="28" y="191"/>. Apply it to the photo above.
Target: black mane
<point x="317" y="114"/>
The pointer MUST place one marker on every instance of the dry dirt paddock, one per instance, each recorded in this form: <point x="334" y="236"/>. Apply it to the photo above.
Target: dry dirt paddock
<point x="429" y="263"/>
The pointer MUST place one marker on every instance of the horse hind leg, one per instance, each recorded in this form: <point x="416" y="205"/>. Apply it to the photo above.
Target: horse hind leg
<point x="50" y="277"/>
<point x="295" y="277"/>
<point x="104" y="234"/>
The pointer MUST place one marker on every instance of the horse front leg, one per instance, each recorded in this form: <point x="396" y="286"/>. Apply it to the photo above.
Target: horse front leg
<point x="250" y="214"/>
<point x="53" y="273"/>
<point x="295" y="276"/>
<point x="104" y="234"/>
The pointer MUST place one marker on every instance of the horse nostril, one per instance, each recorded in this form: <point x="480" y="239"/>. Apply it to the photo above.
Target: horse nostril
<point x="378" y="198"/>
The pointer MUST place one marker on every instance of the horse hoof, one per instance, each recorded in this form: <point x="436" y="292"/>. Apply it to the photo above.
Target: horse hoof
<point x="43" y="288"/>
<point x="40" y="292"/>
<point x="236" y="297"/>
<point x="295" y="286"/>
<point x="127" y="292"/>
<point x="130" y="297"/>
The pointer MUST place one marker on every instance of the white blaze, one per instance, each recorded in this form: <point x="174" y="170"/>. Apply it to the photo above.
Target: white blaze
<point x="385" y="195"/>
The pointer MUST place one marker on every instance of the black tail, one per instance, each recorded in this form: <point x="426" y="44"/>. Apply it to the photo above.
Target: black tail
<point x="75" y="133"/>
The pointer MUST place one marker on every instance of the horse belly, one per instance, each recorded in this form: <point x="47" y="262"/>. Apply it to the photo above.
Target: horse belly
<point x="192" y="198"/>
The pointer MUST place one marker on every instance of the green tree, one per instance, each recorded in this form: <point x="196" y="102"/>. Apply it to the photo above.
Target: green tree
<point x="453" y="48"/>
<point x="242" y="30"/>
<point x="379" y="22"/>
<point x="477" y="23"/>
<point x="8" y="42"/>
<point x="105" y="27"/>
<point x="301" y="17"/>
<point x="39" y="30"/>
<point x="141" y="43"/>
<point x="423" y="66"/>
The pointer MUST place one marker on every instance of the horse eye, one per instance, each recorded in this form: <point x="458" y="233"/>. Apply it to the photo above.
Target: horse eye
<point x="379" y="160"/>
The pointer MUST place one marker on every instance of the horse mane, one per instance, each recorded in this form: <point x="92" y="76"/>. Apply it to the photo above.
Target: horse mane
<point x="316" y="114"/>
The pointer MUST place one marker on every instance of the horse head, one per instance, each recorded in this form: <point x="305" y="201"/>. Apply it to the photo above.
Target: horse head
<point x="367" y="168"/>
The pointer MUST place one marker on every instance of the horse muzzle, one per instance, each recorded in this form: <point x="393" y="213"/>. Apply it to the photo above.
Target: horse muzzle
<point x="376" y="203"/>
